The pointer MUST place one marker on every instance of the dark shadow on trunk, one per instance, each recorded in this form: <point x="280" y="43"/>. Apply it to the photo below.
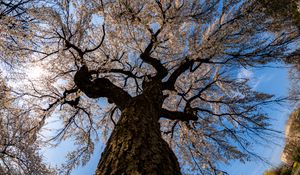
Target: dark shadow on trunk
<point x="135" y="145"/>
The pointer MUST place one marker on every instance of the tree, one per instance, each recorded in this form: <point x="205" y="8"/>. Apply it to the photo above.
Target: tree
<point x="282" y="170"/>
<point x="19" y="148"/>
<point x="283" y="9"/>
<point x="168" y="71"/>
<point x="291" y="152"/>
<point x="14" y="25"/>
<point x="288" y="9"/>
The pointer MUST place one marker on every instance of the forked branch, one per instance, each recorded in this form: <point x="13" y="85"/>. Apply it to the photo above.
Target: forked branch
<point x="100" y="87"/>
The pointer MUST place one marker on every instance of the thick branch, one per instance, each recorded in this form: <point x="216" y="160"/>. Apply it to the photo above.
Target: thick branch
<point x="175" y="115"/>
<point x="172" y="79"/>
<point x="100" y="87"/>
<point x="146" y="56"/>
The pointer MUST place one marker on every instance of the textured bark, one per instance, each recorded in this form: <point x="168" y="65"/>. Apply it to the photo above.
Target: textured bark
<point x="136" y="146"/>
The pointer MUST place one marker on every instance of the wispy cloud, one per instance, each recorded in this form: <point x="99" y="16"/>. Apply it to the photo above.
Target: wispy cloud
<point x="245" y="74"/>
<point x="254" y="80"/>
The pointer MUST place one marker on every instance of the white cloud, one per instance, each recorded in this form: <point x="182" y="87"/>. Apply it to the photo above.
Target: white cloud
<point x="244" y="74"/>
<point x="254" y="79"/>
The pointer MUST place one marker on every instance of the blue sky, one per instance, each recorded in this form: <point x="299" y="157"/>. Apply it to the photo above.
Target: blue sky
<point x="271" y="80"/>
<point x="275" y="81"/>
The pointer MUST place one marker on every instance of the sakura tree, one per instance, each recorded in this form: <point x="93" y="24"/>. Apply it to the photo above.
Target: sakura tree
<point x="168" y="70"/>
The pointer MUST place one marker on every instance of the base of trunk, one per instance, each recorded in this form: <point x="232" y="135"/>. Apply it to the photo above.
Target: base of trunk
<point x="136" y="146"/>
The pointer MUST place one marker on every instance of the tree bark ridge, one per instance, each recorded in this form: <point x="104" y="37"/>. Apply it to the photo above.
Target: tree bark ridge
<point x="136" y="146"/>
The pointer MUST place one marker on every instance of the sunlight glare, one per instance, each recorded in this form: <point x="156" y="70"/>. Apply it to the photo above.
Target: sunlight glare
<point x="35" y="72"/>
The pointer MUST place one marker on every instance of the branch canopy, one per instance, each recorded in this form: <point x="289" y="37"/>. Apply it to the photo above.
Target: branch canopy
<point x="190" y="61"/>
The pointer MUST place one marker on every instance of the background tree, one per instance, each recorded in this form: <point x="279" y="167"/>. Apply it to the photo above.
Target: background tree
<point x="287" y="9"/>
<point x="14" y="29"/>
<point x="283" y="9"/>
<point x="165" y="67"/>
<point x="19" y="148"/>
<point x="291" y="152"/>
<point x="290" y="157"/>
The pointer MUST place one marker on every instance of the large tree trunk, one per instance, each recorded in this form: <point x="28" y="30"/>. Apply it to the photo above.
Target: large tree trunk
<point x="135" y="145"/>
